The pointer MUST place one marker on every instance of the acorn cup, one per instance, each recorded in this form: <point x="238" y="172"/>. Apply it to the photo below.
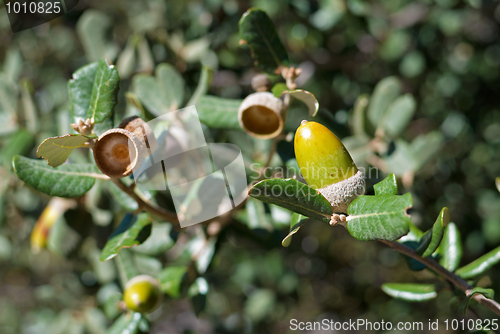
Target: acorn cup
<point x="117" y="152"/>
<point x="142" y="294"/>
<point x="142" y="131"/>
<point x="261" y="83"/>
<point x="260" y="115"/>
<point x="327" y="166"/>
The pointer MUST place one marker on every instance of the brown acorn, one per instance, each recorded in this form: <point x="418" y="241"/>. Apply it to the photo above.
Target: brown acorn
<point x="117" y="152"/>
<point x="142" y="131"/>
<point x="260" y="115"/>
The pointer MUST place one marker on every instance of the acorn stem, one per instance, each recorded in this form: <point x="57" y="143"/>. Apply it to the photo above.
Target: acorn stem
<point x="272" y="150"/>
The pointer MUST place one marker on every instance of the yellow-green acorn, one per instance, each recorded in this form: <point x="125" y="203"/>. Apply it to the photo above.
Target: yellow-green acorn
<point x="142" y="294"/>
<point x="327" y="166"/>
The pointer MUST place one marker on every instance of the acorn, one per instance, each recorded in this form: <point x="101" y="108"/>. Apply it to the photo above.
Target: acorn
<point x="327" y="166"/>
<point x="142" y="294"/>
<point x="142" y="131"/>
<point x="117" y="152"/>
<point x="260" y="115"/>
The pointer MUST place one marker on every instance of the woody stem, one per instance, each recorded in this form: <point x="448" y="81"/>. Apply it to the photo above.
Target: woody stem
<point x="451" y="277"/>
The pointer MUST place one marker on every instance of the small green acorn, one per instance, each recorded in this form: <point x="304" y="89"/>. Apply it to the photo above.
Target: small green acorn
<point x="142" y="294"/>
<point x="327" y="166"/>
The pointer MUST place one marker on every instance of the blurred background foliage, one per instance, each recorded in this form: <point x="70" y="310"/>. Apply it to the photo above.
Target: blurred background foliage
<point x="446" y="53"/>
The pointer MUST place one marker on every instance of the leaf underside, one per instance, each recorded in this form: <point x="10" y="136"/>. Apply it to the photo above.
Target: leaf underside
<point x="64" y="181"/>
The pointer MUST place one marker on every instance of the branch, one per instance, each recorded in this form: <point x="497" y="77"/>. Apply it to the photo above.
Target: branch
<point x="451" y="277"/>
<point x="145" y="204"/>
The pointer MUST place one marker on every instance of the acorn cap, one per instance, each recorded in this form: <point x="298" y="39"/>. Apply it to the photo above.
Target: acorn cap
<point x="142" y="294"/>
<point x="342" y="193"/>
<point x="142" y="131"/>
<point x="117" y="152"/>
<point x="321" y="156"/>
<point x="260" y="115"/>
<point x="261" y="83"/>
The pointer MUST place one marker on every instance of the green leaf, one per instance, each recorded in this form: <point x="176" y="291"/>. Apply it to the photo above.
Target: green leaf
<point x="104" y="92"/>
<point x="160" y="94"/>
<point x="219" y="113"/>
<point x="8" y="95"/>
<point x="203" y="84"/>
<point x="56" y="150"/>
<point x="410" y="292"/>
<point x="13" y="64"/>
<point x="29" y="109"/>
<point x="358" y="116"/>
<point x="95" y="320"/>
<point x="121" y="197"/>
<point x="464" y="305"/>
<point x="402" y="159"/>
<point x="92" y="28"/>
<point x="307" y="98"/>
<point x="148" y="91"/>
<point x="198" y="294"/>
<point x="206" y="256"/>
<point x="126" y="267"/>
<point x="126" y="61"/>
<point x="18" y="143"/>
<point x="260" y="304"/>
<point x="397" y="116"/>
<point x="432" y="238"/>
<point x="480" y="265"/>
<point x="379" y="217"/>
<point x="387" y="186"/>
<point x="93" y="91"/>
<point x="279" y="89"/>
<point x="163" y="237"/>
<point x="451" y="248"/>
<point x="385" y="92"/>
<point x="80" y="89"/>
<point x="130" y="323"/>
<point x="109" y="297"/>
<point x="257" y="215"/>
<point x="424" y="147"/>
<point x="258" y="31"/>
<point x="294" y="196"/>
<point x="296" y="223"/>
<point x="171" y="85"/>
<point x="171" y="279"/>
<point x="497" y="183"/>
<point x="132" y="231"/>
<point x="63" y="181"/>
<point x="413" y="264"/>
<point x="415" y="234"/>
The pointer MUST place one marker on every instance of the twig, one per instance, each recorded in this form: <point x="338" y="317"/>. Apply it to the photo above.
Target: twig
<point x="289" y="74"/>
<point x="451" y="277"/>
<point x="272" y="150"/>
<point x="145" y="204"/>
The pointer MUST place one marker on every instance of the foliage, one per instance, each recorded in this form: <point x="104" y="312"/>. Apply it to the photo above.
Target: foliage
<point x="407" y="86"/>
